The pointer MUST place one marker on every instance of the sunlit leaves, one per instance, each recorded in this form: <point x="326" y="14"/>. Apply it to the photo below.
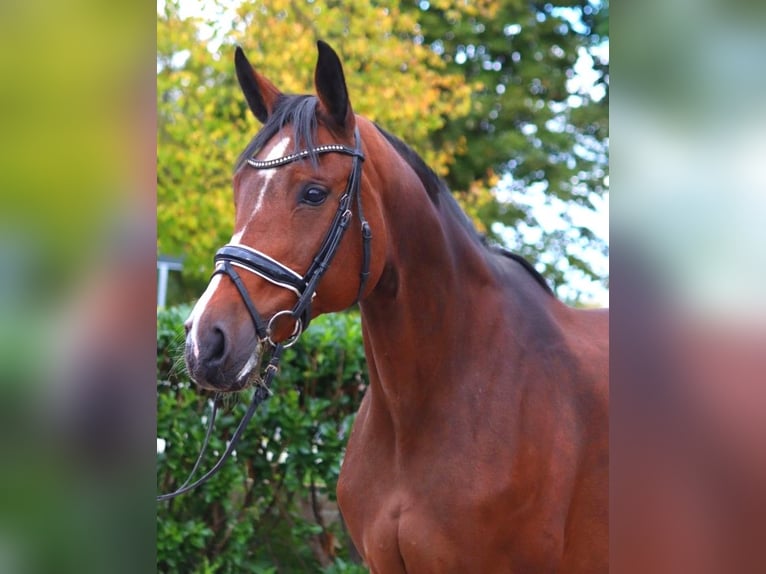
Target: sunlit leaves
<point x="204" y="123"/>
<point x="482" y="90"/>
<point x="535" y="117"/>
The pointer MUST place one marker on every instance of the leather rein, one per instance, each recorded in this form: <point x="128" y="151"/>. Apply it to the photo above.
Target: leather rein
<point x="303" y="286"/>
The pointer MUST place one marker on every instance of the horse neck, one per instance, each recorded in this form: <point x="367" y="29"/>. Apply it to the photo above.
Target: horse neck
<point x="439" y="290"/>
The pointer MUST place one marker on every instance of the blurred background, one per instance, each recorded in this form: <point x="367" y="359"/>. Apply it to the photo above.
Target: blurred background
<point x="77" y="286"/>
<point x="688" y="410"/>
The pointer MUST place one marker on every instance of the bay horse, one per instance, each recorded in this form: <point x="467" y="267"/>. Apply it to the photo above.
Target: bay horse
<point x="481" y="444"/>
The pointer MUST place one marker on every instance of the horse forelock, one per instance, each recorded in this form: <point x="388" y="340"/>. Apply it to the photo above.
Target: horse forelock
<point x="299" y="112"/>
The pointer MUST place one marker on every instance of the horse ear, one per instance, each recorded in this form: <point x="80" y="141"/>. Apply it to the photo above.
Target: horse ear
<point x="261" y="94"/>
<point x="331" y="88"/>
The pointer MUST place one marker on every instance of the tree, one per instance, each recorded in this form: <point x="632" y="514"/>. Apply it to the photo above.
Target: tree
<point x="204" y="123"/>
<point x="484" y="91"/>
<point x="529" y="123"/>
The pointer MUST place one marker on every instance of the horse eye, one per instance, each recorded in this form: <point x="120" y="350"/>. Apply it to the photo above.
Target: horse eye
<point x="314" y="196"/>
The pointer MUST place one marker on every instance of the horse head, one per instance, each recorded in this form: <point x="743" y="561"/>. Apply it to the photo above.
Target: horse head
<point x="302" y="241"/>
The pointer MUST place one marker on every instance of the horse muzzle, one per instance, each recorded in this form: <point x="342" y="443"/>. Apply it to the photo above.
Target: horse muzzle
<point x="214" y="363"/>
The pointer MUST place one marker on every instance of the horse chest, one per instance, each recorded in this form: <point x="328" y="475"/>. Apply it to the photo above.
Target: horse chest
<point x="489" y="508"/>
<point x="392" y="535"/>
<point x="398" y="530"/>
<point x="401" y="524"/>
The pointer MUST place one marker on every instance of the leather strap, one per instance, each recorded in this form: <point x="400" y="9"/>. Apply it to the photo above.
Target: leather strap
<point x="304" y="287"/>
<point x="279" y="274"/>
<point x="261" y="393"/>
<point x="258" y="322"/>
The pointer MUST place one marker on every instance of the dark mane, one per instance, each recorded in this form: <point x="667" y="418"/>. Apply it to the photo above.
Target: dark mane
<point x="435" y="186"/>
<point x="439" y="192"/>
<point x="298" y="111"/>
<point x="536" y="275"/>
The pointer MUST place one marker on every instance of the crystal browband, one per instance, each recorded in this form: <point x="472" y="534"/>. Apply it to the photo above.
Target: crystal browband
<point x="330" y="148"/>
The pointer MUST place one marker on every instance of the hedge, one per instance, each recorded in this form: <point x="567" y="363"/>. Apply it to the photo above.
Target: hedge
<point x="271" y="508"/>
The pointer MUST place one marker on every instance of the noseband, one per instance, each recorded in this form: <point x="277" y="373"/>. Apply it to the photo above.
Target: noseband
<point x="304" y="286"/>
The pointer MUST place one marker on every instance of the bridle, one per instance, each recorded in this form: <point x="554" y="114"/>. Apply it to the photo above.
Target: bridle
<point x="303" y="286"/>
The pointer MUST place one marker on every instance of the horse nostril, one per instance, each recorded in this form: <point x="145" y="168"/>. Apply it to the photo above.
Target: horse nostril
<point x="217" y="345"/>
<point x="187" y="327"/>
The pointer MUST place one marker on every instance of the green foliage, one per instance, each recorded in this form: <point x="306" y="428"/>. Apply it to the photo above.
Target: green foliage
<point x="260" y="513"/>
<point x="528" y="121"/>
<point x="482" y="90"/>
<point x="341" y="566"/>
<point x="204" y="123"/>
